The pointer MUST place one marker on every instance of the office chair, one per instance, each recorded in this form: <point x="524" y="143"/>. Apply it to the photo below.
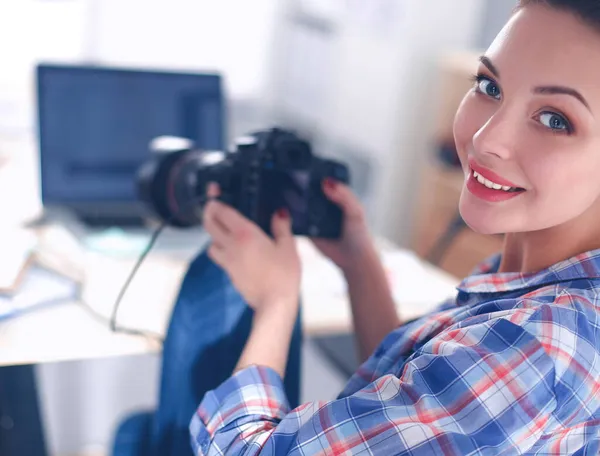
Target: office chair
<point x="207" y="332"/>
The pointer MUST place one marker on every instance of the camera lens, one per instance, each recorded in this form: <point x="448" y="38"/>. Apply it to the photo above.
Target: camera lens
<point x="169" y="184"/>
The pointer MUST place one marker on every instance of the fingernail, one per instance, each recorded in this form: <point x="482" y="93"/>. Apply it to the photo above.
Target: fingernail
<point x="330" y="183"/>
<point x="283" y="213"/>
<point x="212" y="190"/>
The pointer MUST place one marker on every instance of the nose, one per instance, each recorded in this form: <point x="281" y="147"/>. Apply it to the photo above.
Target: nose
<point x="496" y="136"/>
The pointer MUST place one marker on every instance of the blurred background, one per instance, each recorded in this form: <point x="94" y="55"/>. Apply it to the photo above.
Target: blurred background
<point x="372" y="82"/>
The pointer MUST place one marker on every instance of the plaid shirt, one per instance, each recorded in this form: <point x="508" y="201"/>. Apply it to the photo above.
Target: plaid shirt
<point x="509" y="366"/>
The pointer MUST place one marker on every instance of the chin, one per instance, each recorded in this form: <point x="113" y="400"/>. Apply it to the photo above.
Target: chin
<point x="483" y="221"/>
<point x="482" y="227"/>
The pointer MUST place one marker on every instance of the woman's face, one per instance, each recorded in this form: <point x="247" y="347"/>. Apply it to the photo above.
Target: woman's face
<point x="530" y="127"/>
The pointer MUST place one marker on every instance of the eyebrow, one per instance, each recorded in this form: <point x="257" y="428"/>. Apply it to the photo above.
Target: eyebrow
<point x="490" y="66"/>
<point x="562" y="91"/>
<point x="552" y="90"/>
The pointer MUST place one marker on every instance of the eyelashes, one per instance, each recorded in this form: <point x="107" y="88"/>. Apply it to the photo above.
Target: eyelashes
<point x="486" y="86"/>
<point x="551" y="119"/>
<point x="557" y="122"/>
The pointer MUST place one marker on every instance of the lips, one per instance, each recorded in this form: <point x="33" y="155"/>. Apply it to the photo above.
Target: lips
<point x="488" y="186"/>
<point x="491" y="175"/>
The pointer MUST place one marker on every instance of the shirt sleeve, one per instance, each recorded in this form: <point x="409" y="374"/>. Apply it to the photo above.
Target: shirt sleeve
<point x="488" y="385"/>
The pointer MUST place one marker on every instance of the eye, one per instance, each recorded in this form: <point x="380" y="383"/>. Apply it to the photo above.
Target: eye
<point x="487" y="86"/>
<point x="555" y="122"/>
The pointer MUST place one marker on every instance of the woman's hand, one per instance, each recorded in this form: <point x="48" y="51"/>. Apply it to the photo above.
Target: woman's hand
<point x="265" y="271"/>
<point x="356" y="240"/>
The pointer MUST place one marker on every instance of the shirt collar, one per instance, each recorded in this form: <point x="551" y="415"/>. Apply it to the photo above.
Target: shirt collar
<point x="486" y="279"/>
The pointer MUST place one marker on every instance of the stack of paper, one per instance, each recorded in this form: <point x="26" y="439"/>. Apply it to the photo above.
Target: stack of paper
<point x="16" y="250"/>
<point x="38" y="287"/>
<point x="416" y="286"/>
<point x="25" y="281"/>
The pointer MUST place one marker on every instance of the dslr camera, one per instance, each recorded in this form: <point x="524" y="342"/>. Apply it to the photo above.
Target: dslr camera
<point x="266" y="171"/>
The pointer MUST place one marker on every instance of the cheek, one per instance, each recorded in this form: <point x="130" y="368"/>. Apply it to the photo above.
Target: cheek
<point x="567" y="175"/>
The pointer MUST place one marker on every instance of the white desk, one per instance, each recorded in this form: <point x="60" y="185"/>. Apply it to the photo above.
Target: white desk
<point x="68" y="331"/>
<point x="418" y="288"/>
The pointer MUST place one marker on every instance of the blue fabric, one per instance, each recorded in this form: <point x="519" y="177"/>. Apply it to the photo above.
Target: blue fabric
<point x="208" y="330"/>
<point x="511" y="368"/>
<point x="134" y="435"/>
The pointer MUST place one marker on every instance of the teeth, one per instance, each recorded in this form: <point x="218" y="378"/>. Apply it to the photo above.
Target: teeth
<point x="489" y="184"/>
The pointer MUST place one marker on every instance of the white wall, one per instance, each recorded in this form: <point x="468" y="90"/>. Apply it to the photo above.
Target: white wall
<point x="231" y="36"/>
<point x="369" y="86"/>
<point x="228" y="36"/>
<point x="30" y="31"/>
<point x="496" y="15"/>
<point x="441" y="27"/>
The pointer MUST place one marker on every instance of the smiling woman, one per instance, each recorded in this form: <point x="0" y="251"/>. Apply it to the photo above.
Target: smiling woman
<point x="509" y="366"/>
<point x="529" y="123"/>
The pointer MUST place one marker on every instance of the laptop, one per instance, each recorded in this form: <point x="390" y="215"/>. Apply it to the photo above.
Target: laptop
<point x="95" y="125"/>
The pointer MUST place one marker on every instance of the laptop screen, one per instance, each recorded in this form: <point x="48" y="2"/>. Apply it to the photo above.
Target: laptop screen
<point x="95" y="126"/>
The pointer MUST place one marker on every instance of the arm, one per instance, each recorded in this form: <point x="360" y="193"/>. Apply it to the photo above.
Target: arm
<point x="373" y="309"/>
<point x="469" y="389"/>
<point x="269" y="341"/>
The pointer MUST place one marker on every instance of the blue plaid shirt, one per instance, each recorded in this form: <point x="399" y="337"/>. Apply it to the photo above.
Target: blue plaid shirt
<point x="510" y="366"/>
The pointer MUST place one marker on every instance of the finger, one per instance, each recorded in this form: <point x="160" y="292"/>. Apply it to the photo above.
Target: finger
<point x="218" y="255"/>
<point x="219" y="233"/>
<point x="281" y="226"/>
<point x="344" y="197"/>
<point x="231" y="219"/>
<point x="213" y="190"/>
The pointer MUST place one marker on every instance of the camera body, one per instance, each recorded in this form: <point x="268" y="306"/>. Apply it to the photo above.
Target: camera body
<point x="266" y="171"/>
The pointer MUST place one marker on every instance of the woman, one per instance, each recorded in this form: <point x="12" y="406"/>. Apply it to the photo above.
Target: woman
<point x="512" y="365"/>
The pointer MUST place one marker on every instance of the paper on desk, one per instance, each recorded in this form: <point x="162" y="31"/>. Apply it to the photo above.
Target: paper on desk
<point x="149" y="298"/>
<point x="408" y="277"/>
<point x="39" y="287"/>
<point x="59" y="249"/>
<point x="415" y="288"/>
<point x="16" y="248"/>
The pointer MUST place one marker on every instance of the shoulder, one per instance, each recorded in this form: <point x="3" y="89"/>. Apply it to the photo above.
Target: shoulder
<point x="567" y="328"/>
<point x="566" y="324"/>
<point x="563" y="322"/>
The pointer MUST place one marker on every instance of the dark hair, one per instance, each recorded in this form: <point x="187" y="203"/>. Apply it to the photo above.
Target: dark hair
<point x="586" y="10"/>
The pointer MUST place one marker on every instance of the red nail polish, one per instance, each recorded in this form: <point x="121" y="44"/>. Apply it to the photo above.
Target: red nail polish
<point x="283" y="213"/>
<point x="330" y="183"/>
